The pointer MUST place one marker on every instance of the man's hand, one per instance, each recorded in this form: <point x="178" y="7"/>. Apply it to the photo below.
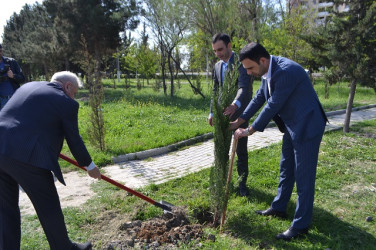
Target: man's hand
<point x="243" y="132"/>
<point x="240" y="132"/>
<point x="235" y="124"/>
<point x="230" y="110"/>
<point x="94" y="173"/>
<point x="210" y="120"/>
<point x="10" y="73"/>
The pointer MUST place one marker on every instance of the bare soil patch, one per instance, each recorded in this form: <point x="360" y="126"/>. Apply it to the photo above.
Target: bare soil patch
<point x="168" y="231"/>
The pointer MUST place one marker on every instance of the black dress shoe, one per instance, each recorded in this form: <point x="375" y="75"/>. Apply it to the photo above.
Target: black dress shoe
<point x="243" y="190"/>
<point x="292" y="233"/>
<point x="85" y="246"/>
<point x="272" y="212"/>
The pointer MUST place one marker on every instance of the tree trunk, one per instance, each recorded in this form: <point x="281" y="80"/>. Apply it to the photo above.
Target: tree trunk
<point x="326" y="95"/>
<point x="350" y="101"/>
<point x="171" y="75"/>
<point x="46" y="74"/>
<point x="66" y="61"/>
<point x="196" y="90"/>
<point x="163" y="74"/>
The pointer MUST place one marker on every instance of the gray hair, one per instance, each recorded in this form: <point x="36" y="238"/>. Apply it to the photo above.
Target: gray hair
<point x="66" y="76"/>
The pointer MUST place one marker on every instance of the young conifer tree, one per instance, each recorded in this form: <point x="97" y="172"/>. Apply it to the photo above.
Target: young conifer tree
<point x="222" y="98"/>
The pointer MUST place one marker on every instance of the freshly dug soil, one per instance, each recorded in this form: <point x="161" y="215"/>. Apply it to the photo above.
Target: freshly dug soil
<point x="165" y="232"/>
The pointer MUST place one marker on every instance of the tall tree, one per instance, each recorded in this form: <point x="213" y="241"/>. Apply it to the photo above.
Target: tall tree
<point x="349" y="42"/>
<point x="93" y="27"/>
<point x="169" y="21"/>
<point x="222" y="139"/>
<point x="30" y="36"/>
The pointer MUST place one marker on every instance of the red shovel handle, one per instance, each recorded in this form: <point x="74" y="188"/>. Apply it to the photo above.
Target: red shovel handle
<point x="114" y="182"/>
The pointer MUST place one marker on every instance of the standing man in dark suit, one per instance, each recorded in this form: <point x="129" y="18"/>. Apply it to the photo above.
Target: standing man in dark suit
<point x="10" y="77"/>
<point x="292" y="102"/>
<point x="33" y="126"/>
<point x="222" y="48"/>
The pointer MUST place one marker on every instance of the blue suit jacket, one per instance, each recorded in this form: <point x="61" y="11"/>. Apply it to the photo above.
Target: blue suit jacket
<point x="244" y="92"/>
<point x="293" y="99"/>
<point x="34" y="123"/>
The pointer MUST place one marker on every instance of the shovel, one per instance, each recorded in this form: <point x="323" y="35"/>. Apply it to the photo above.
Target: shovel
<point x="167" y="207"/>
<point x="229" y="175"/>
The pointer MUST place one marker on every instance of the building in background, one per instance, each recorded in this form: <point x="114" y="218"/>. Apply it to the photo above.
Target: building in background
<point x="322" y="8"/>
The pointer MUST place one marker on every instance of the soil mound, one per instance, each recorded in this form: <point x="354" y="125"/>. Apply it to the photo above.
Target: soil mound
<point x="164" y="232"/>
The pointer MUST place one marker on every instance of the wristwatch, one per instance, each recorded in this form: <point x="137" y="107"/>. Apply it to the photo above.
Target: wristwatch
<point x="247" y="129"/>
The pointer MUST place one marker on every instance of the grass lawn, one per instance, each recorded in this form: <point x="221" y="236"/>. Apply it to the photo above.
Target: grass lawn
<point x="137" y="120"/>
<point x="345" y="197"/>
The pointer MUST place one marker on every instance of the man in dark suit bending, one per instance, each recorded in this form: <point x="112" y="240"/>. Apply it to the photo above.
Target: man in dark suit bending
<point x="222" y="48"/>
<point x="33" y="126"/>
<point x="292" y="103"/>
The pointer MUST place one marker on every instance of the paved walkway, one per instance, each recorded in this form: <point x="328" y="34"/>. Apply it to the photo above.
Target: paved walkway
<point x="159" y="169"/>
<point x="162" y="168"/>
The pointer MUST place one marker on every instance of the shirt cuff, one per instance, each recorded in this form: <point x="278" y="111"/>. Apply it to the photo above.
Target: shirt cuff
<point x="210" y="115"/>
<point x="237" y="103"/>
<point x="91" y="166"/>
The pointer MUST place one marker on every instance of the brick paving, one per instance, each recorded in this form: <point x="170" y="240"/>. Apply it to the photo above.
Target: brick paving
<point x="162" y="168"/>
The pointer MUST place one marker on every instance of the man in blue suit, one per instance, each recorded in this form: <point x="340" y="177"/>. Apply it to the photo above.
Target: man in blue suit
<point x="33" y="126"/>
<point x="293" y="104"/>
<point x="222" y="48"/>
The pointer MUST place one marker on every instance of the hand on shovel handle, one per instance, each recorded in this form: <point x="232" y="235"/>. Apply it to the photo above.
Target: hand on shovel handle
<point x="164" y="205"/>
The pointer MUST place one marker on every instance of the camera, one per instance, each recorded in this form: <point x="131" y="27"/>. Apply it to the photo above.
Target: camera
<point x="5" y="69"/>
<point x="3" y="73"/>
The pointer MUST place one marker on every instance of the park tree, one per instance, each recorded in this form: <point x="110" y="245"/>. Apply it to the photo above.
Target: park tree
<point x="349" y="43"/>
<point x="287" y="37"/>
<point x="222" y="98"/>
<point x="31" y="38"/>
<point x="93" y="27"/>
<point x="146" y="57"/>
<point x="169" y="21"/>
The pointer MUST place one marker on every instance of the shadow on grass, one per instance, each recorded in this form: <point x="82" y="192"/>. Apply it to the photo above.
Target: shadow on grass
<point x="326" y="231"/>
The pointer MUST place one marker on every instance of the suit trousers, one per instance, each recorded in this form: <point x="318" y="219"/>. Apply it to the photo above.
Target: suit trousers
<point x="242" y="153"/>
<point x="39" y="185"/>
<point x="298" y="164"/>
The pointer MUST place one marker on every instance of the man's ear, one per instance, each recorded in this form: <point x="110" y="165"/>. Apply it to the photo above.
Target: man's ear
<point x="262" y="61"/>
<point x="229" y="45"/>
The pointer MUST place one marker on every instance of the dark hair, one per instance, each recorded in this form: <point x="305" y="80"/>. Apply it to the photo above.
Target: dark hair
<point x="221" y="37"/>
<point x="1" y="46"/>
<point x="253" y="51"/>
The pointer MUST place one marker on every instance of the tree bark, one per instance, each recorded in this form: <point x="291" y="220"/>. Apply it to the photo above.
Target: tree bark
<point x="346" y="126"/>
<point x="171" y="74"/>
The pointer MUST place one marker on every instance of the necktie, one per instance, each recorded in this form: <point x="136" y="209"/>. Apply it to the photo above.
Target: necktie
<point x="225" y="67"/>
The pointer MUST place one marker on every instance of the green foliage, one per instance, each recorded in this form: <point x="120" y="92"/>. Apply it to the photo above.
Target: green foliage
<point x="348" y="42"/>
<point x="31" y="38"/>
<point x="146" y="119"/>
<point x="287" y="39"/>
<point x="44" y="38"/>
<point x="344" y="197"/>
<point x="90" y="66"/>
<point x="222" y="98"/>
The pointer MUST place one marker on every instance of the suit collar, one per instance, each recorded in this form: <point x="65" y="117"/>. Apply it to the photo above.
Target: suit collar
<point x="268" y="75"/>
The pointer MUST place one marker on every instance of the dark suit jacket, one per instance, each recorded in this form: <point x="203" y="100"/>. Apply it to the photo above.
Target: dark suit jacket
<point x="18" y="77"/>
<point x="293" y="99"/>
<point x="244" y="93"/>
<point x="35" y="122"/>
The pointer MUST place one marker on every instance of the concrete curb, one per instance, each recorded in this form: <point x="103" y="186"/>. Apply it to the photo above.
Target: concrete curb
<point x="162" y="150"/>
<point x="173" y="147"/>
<point x="343" y="111"/>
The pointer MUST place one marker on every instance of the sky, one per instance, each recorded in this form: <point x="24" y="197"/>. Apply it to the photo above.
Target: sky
<point x="8" y="8"/>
